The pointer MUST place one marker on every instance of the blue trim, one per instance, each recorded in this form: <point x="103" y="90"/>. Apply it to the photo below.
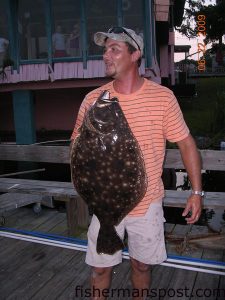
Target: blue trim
<point x="48" y="27"/>
<point x="119" y="13"/>
<point x="95" y="57"/>
<point x="193" y="259"/>
<point x="46" y="235"/>
<point x="12" y="16"/>
<point x="66" y="59"/>
<point x="23" y="108"/>
<point x="84" y="243"/>
<point x="147" y="13"/>
<point x="33" y="61"/>
<point x="153" y="37"/>
<point x="83" y="32"/>
<point x="60" y="59"/>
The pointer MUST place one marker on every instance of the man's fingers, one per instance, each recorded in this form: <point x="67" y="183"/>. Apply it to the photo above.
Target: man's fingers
<point x="194" y="218"/>
<point x="186" y="210"/>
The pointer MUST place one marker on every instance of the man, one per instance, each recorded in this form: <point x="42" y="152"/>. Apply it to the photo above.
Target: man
<point x="154" y="117"/>
<point x="59" y="43"/>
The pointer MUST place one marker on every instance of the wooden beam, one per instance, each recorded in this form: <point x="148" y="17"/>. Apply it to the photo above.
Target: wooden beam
<point x="58" y="84"/>
<point x="66" y="189"/>
<point x="212" y="159"/>
<point x="35" y="153"/>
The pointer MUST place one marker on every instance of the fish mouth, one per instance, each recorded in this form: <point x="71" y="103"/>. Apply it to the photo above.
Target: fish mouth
<point x="107" y="103"/>
<point x="101" y="122"/>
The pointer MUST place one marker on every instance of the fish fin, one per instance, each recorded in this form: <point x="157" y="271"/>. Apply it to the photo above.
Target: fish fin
<point x="108" y="241"/>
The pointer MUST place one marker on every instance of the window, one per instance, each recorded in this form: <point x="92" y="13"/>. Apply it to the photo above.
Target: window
<point x="31" y="29"/>
<point x="4" y="38"/>
<point x="66" y="37"/>
<point x="101" y="15"/>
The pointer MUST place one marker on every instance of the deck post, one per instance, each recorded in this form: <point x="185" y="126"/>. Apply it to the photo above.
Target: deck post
<point x="23" y="107"/>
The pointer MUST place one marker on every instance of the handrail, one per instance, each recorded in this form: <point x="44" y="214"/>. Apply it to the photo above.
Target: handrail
<point x="211" y="159"/>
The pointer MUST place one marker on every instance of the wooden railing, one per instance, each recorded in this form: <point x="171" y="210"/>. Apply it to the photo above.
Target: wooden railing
<point x="211" y="160"/>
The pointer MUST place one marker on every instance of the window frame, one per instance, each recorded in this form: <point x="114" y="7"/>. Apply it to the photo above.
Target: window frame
<point x="148" y="15"/>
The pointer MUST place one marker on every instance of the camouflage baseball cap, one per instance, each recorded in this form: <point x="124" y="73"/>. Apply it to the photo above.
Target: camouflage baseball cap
<point x="120" y="34"/>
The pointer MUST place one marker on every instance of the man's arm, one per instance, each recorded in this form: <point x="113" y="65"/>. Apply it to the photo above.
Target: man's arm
<point x="192" y="163"/>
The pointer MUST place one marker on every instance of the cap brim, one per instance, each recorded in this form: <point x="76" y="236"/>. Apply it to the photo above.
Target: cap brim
<point x="100" y="37"/>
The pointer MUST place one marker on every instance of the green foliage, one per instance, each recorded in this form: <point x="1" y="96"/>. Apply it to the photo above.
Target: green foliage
<point x="214" y="23"/>
<point x="188" y="26"/>
<point x="205" y="114"/>
<point x="218" y="114"/>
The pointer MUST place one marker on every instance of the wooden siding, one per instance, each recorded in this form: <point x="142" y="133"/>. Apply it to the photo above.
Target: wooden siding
<point x="162" y="10"/>
<point x="59" y="71"/>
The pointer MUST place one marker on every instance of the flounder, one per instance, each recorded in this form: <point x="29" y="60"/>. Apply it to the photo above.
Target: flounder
<point x="107" y="168"/>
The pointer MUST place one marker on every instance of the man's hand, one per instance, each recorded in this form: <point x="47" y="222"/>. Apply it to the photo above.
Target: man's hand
<point x="193" y="209"/>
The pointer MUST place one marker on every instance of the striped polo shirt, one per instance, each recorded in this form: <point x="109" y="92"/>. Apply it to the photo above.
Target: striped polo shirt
<point x="154" y="116"/>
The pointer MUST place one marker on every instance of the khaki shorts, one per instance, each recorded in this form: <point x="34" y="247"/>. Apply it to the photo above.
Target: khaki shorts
<point x="145" y="239"/>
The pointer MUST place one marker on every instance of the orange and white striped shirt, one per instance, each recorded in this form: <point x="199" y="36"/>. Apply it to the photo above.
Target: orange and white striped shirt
<point x="154" y="116"/>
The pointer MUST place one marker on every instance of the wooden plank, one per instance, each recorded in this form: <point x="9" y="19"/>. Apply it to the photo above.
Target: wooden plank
<point x="46" y="271"/>
<point x="51" y="188"/>
<point x="29" y="266"/>
<point x="71" y="210"/>
<point x="216" y="242"/>
<point x="52" y="225"/>
<point x="221" y="289"/>
<point x="181" y="284"/>
<point x="205" y="283"/>
<point x="212" y="159"/>
<point x="39" y="187"/>
<point x="169" y="227"/>
<point x="70" y="275"/>
<point x="45" y="222"/>
<point x="36" y="153"/>
<point x="21" y="173"/>
<point x="179" y="199"/>
<point x="183" y="280"/>
<point x="177" y="246"/>
<point x="9" y="201"/>
<point x="54" y="188"/>
<point x="160" y="279"/>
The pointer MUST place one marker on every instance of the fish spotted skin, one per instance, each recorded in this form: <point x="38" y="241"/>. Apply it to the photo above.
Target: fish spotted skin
<point x="107" y="168"/>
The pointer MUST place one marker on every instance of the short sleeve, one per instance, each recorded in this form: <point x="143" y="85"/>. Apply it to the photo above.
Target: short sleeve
<point x="175" y="128"/>
<point x="82" y="110"/>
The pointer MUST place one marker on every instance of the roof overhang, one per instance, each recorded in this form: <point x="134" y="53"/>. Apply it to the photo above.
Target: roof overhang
<point x="162" y="10"/>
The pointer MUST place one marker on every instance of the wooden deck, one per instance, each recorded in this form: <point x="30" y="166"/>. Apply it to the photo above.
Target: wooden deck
<point x="35" y="271"/>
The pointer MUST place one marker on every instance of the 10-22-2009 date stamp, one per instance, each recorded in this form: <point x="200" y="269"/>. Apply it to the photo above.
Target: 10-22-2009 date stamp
<point x="201" y="32"/>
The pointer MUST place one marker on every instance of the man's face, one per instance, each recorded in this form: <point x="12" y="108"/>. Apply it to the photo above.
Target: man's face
<point x="117" y="59"/>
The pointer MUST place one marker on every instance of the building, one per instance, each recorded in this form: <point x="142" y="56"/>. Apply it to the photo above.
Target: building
<point x="55" y="61"/>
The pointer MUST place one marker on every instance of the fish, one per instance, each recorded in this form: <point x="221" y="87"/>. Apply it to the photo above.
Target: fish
<point x="107" y="168"/>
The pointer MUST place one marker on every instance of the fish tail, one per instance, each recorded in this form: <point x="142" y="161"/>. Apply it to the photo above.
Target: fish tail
<point x="108" y="241"/>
